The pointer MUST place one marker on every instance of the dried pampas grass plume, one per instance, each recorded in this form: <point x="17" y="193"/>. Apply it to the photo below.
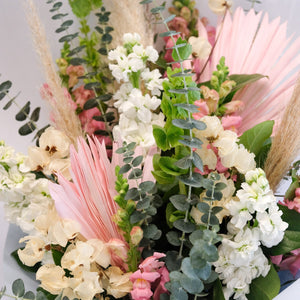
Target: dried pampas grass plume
<point x="65" y="117"/>
<point x="286" y="143"/>
<point x="129" y="16"/>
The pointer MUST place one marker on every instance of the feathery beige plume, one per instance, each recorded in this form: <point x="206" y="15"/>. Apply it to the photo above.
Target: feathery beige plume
<point x="65" y="117"/>
<point x="129" y="16"/>
<point x="286" y="143"/>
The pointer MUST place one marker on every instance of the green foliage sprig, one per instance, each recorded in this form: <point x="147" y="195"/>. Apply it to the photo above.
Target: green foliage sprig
<point x="190" y="267"/>
<point x="96" y="75"/>
<point x="24" y="113"/>
<point x="18" y="290"/>
<point x="137" y="203"/>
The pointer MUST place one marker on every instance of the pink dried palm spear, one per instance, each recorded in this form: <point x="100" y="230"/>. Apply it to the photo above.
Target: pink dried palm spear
<point x="89" y="198"/>
<point x="252" y="44"/>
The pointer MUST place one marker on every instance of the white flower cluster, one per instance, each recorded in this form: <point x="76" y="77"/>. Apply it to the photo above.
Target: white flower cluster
<point x="256" y="219"/>
<point x="84" y="260"/>
<point x="25" y="197"/>
<point x="230" y="152"/>
<point x="136" y="98"/>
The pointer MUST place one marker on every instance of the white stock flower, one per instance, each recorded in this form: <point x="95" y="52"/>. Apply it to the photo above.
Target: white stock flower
<point x="33" y="252"/>
<point x="240" y="261"/>
<point x="271" y="226"/>
<point x="201" y="47"/>
<point x="153" y="81"/>
<point x="122" y="95"/>
<point x="131" y="38"/>
<point x="151" y="54"/>
<point x="116" y="53"/>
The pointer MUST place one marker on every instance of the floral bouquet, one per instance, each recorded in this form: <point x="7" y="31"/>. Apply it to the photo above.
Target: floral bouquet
<point x="155" y="179"/>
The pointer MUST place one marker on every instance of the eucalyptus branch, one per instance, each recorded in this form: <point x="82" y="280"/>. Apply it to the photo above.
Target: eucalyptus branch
<point x="66" y="29"/>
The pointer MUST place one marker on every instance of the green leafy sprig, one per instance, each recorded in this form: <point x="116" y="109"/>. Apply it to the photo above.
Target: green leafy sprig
<point x="23" y="113"/>
<point x="96" y="75"/>
<point x="138" y="203"/>
<point x="19" y="293"/>
<point x="185" y="279"/>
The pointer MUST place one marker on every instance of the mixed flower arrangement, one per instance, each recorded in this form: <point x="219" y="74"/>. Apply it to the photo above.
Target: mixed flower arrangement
<point x="155" y="180"/>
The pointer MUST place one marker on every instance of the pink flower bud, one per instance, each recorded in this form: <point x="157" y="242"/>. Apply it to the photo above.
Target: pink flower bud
<point x="234" y="106"/>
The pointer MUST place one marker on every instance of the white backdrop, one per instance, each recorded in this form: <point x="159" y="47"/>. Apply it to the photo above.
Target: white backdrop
<point x="19" y="63"/>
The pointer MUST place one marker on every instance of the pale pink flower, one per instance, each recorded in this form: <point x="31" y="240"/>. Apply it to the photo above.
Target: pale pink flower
<point x="82" y="95"/>
<point x="151" y="276"/>
<point x="88" y="199"/>
<point x="234" y="106"/>
<point x="151" y="263"/>
<point x="260" y="47"/>
<point x="203" y="109"/>
<point x="142" y="284"/>
<point x="210" y="30"/>
<point x="231" y="122"/>
<point x="179" y="24"/>
<point x="295" y="203"/>
<point x="291" y="263"/>
<point x="74" y="72"/>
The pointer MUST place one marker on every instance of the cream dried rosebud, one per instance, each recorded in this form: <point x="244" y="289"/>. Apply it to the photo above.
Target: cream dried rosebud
<point x="33" y="251"/>
<point x="136" y="235"/>
<point x="52" y="278"/>
<point x="219" y="7"/>
<point x="201" y="47"/>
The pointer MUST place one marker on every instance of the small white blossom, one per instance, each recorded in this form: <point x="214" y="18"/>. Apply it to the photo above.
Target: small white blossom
<point x="271" y="226"/>
<point x="131" y="38"/>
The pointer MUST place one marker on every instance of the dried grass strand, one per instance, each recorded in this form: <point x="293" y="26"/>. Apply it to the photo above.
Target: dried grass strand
<point x="64" y="116"/>
<point x="286" y="143"/>
<point x="129" y="16"/>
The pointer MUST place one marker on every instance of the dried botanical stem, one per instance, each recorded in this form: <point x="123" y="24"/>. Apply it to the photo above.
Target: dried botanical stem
<point x="129" y="16"/>
<point x="64" y="116"/>
<point x="286" y="143"/>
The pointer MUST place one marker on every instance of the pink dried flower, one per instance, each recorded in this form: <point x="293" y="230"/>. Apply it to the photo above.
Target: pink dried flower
<point x="179" y="24"/>
<point x="81" y="95"/>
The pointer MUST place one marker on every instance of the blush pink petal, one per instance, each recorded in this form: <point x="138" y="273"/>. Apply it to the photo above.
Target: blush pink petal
<point x="148" y="276"/>
<point x="251" y="43"/>
<point x="89" y="198"/>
